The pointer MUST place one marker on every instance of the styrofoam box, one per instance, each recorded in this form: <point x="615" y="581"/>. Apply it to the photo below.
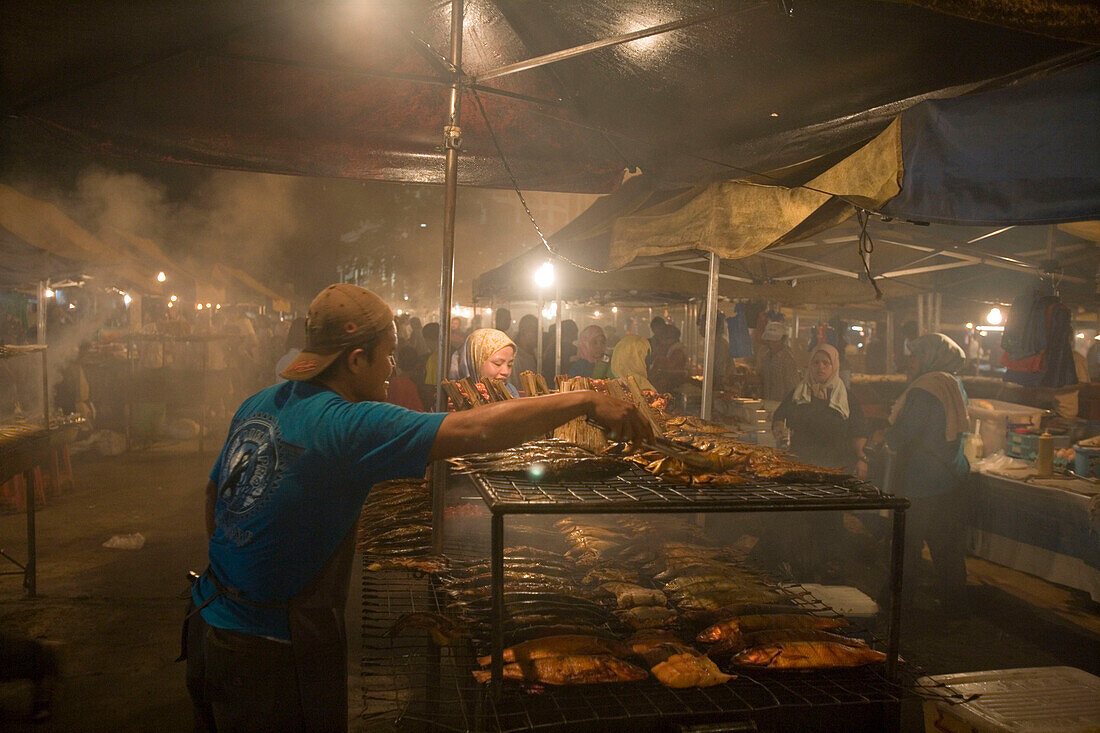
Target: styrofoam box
<point x="844" y="599"/>
<point x="995" y="422"/>
<point x="1028" y="700"/>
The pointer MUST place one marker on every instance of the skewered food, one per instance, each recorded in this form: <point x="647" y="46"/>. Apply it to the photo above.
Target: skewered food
<point x="570" y="670"/>
<point x="561" y="646"/>
<point x="689" y="670"/>
<point x="807" y="655"/>
<point x="748" y="624"/>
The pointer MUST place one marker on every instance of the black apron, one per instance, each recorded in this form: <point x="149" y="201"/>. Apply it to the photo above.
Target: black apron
<point x="318" y="639"/>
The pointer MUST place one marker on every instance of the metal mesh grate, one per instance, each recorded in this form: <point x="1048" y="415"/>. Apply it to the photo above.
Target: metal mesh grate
<point x="639" y="491"/>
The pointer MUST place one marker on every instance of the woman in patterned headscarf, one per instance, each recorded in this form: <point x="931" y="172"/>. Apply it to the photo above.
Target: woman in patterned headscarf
<point x="928" y="425"/>
<point x="488" y="354"/>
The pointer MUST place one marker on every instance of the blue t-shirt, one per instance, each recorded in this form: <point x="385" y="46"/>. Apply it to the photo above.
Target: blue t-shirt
<point x="292" y="477"/>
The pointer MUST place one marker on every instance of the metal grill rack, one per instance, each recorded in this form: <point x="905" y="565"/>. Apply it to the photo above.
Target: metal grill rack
<point x="636" y="491"/>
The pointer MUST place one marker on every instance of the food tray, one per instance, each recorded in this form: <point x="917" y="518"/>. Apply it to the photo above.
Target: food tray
<point x="1028" y="700"/>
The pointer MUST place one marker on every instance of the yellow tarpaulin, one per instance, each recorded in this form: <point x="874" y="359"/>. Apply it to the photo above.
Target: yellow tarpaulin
<point x="736" y="219"/>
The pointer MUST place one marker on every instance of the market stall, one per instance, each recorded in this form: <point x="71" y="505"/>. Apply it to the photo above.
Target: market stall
<point x="1046" y="527"/>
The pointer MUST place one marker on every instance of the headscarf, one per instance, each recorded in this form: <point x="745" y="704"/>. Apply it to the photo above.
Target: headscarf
<point x="480" y="345"/>
<point x="831" y="389"/>
<point x="628" y="360"/>
<point x="938" y="357"/>
<point x="585" y="341"/>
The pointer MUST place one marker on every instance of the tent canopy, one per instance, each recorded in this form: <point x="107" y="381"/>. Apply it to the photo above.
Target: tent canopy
<point x="331" y="88"/>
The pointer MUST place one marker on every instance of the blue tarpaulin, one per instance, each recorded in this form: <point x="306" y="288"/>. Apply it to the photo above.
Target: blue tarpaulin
<point x="1025" y="154"/>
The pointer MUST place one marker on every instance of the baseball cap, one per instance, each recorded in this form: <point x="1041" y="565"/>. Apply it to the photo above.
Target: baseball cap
<point x="341" y="316"/>
<point x="774" y="331"/>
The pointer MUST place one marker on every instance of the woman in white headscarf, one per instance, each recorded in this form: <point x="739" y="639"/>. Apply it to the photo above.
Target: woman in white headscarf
<point x="824" y="426"/>
<point x="823" y="423"/>
<point x="928" y="426"/>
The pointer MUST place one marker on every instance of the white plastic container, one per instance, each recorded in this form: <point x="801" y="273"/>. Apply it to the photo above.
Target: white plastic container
<point x="844" y="599"/>
<point x="995" y="420"/>
<point x="1028" y="700"/>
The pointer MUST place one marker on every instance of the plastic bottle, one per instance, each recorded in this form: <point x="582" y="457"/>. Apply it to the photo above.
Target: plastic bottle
<point x="1044" y="464"/>
<point x="974" y="447"/>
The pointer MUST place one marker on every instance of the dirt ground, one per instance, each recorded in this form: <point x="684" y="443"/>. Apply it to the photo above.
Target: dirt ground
<point x="116" y="613"/>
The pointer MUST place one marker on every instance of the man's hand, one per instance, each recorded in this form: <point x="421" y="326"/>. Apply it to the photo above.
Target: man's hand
<point x="622" y="420"/>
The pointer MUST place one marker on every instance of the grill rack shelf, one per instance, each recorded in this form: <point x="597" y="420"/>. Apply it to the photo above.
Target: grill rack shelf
<point x="415" y="685"/>
<point x="637" y="491"/>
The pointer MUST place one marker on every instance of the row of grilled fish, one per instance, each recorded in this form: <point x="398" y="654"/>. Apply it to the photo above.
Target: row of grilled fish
<point x="396" y="520"/>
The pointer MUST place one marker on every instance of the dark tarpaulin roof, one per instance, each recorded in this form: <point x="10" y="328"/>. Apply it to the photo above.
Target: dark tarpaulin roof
<point x="1025" y="154"/>
<point x="335" y="88"/>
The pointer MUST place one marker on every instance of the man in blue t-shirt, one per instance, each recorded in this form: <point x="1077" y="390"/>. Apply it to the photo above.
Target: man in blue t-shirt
<point x="265" y="643"/>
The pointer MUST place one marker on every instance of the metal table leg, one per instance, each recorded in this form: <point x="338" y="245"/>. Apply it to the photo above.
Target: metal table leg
<point x="30" y="569"/>
<point x="496" y="558"/>
<point x="897" y="560"/>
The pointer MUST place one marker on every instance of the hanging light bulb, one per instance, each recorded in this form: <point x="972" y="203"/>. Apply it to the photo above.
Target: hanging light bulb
<point x="161" y="277"/>
<point x="993" y="318"/>
<point x="544" y="275"/>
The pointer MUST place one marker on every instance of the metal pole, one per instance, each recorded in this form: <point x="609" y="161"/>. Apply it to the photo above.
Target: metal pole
<point x="709" y="348"/>
<point x="496" y="570"/>
<point x="897" y="565"/>
<point x="890" y="364"/>
<point x="920" y="314"/>
<point x="538" y="339"/>
<point x="558" y="316"/>
<point x="41" y="320"/>
<point x="452" y="140"/>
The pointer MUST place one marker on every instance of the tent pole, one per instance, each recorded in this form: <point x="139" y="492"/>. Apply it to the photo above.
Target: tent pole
<point x="709" y="348"/>
<point x="559" y="313"/>
<point x="538" y="339"/>
<point x="890" y="366"/>
<point x="452" y="139"/>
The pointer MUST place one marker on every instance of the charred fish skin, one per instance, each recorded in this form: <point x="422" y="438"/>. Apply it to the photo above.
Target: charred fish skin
<point x="570" y="670"/>
<point x="807" y="655"/>
<point x="561" y="646"/>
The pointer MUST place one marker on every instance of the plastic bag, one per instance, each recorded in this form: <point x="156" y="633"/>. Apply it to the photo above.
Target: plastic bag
<point x="133" y="541"/>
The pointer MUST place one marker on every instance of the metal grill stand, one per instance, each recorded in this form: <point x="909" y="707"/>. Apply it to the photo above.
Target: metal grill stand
<point x="639" y="492"/>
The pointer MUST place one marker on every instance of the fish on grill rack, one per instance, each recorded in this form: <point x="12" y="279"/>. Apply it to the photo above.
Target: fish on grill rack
<point x="747" y="624"/>
<point x="647" y="617"/>
<point x="428" y="565"/>
<point x="689" y="670"/>
<point x="443" y="630"/>
<point x="563" y="645"/>
<point x="735" y="644"/>
<point x="807" y="655"/>
<point x="629" y="595"/>
<point x="543" y="460"/>
<point x="570" y="670"/>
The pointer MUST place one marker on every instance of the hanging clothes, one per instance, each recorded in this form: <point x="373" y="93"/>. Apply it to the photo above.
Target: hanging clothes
<point x="740" y="338"/>
<point x="1046" y="322"/>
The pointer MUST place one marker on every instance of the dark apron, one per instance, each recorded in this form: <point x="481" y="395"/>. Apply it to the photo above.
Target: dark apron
<point x="318" y="639"/>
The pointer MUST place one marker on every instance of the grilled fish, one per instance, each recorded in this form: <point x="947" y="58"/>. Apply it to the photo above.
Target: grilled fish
<point x="629" y="595"/>
<point x="561" y="646"/>
<point x="647" y="617"/>
<point x="429" y="565"/>
<point x="610" y="574"/>
<point x="807" y="655"/>
<point x="737" y="643"/>
<point x="657" y="653"/>
<point x="570" y="670"/>
<point x="748" y="624"/>
<point x="646" y="640"/>
<point x="444" y="631"/>
<point x="713" y="600"/>
<point x="689" y="670"/>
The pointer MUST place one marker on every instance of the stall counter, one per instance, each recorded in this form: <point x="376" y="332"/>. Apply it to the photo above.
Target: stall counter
<point x="1049" y="528"/>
